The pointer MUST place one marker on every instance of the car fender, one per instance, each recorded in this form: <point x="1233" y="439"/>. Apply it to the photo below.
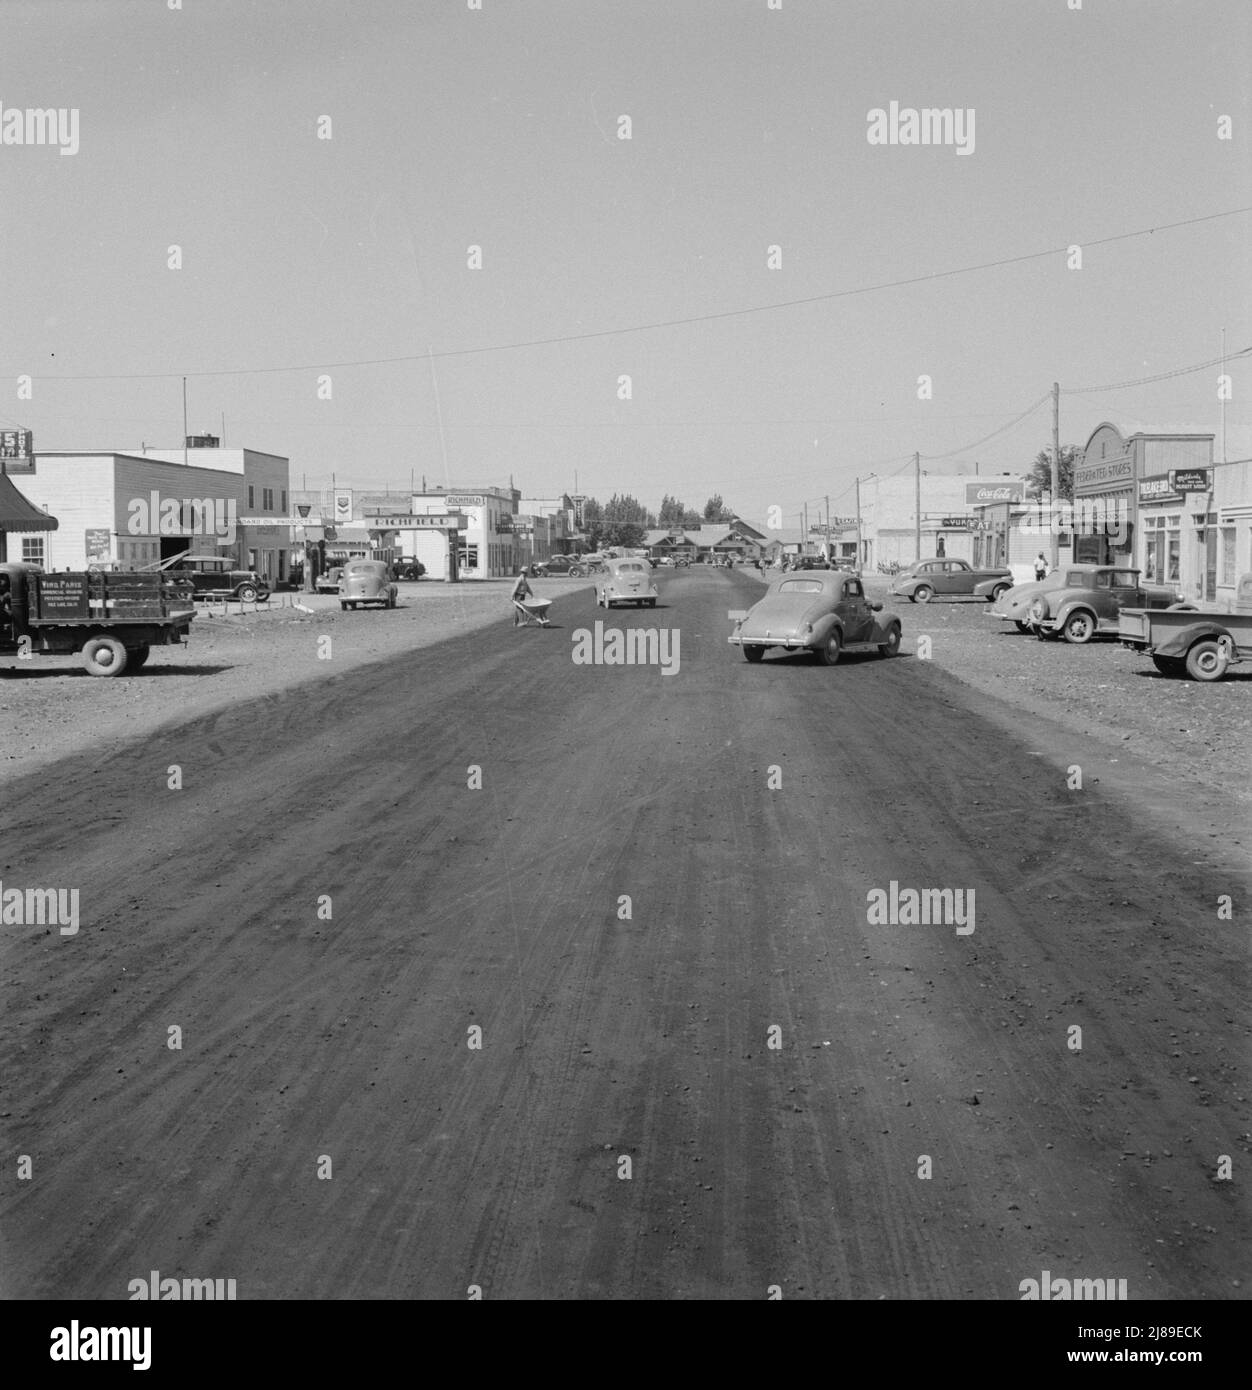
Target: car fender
<point x="1180" y="642"/>
<point x="1064" y="610"/>
<point x="823" y="627"/>
<point x="883" y="625"/>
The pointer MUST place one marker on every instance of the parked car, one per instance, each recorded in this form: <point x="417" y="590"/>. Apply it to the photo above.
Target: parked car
<point x="810" y="562"/>
<point x="627" y="581"/>
<point x="1013" y="605"/>
<point x="1183" y="641"/>
<point x="921" y="582"/>
<point x="408" y="569"/>
<point x="1079" y="610"/>
<point x="561" y="564"/>
<point x="328" y="581"/>
<point x="825" y="612"/>
<point x="212" y="576"/>
<point x="992" y="589"/>
<point x="682" y="562"/>
<point x="367" y="581"/>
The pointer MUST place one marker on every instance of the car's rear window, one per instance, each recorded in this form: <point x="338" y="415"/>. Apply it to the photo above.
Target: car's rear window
<point x="364" y="568"/>
<point x="632" y="568"/>
<point x="801" y="586"/>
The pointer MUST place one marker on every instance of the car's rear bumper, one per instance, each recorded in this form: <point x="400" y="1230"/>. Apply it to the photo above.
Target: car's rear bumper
<point x="796" y="643"/>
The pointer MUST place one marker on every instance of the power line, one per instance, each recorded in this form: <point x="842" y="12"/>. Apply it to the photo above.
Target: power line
<point x="662" y="323"/>
<point x="1017" y="419"/>
<point x="1160" y="376"/>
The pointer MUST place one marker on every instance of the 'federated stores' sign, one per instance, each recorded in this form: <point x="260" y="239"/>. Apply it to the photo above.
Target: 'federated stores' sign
<point x="984" y="494"/>
<point x="1117" y="471"/>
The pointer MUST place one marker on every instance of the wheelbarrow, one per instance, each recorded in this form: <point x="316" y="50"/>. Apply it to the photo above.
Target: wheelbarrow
<point x="533" y="612"/>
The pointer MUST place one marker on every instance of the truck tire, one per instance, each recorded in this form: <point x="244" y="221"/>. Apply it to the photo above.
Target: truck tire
<point x="137" y="657"/>
<point x="104" y="656"/>
<point x="1170" y="665"/>
<point x="1207" y="660"/>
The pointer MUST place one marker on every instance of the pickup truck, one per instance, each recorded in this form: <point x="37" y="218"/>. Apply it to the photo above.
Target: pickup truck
<point x="1192" y="643"/>
<point x="113" y="619"/>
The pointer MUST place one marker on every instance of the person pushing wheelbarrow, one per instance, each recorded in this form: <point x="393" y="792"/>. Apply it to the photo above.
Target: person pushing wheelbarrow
<point x="528" y="609"/>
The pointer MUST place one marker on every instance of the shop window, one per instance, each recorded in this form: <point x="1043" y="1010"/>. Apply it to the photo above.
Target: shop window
<point x="1152" y="560"/>
<point x="1228" y="575"/>
<point x="32" y="550"/>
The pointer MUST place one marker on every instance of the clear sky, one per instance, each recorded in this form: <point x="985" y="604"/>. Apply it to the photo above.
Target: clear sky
<point x="498" y="127"/>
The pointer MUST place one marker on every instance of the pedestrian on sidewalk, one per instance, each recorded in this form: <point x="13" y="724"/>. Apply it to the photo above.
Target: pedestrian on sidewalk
<point x="1041" y="567"/>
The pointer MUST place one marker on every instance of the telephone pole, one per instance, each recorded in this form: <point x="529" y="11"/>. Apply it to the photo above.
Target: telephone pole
<point x="804" y="530"/>
<point x="858" y="526"/>
<point x="1056" y="473"/>
<point x="917" y="503"/>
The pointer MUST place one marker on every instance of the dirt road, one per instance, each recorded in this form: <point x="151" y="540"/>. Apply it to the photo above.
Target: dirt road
<point x="736" y="1086"/>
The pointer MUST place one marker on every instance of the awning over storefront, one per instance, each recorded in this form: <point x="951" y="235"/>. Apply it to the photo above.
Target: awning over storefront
<point x="17" y="514"/>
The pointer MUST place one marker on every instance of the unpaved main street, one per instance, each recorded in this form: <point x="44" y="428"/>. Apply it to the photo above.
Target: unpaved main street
<point x="741" y="1083"/>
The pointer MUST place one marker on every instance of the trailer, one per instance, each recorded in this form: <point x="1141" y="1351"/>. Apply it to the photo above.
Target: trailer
<point x="112" y="619"/>
<point x="1185" y="641"/>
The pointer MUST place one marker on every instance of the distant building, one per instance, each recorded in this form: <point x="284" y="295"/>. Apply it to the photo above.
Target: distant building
<point x="964" y="516"/>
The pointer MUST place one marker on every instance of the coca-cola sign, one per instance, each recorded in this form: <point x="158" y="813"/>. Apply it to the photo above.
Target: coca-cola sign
<point x="981" y="494"/>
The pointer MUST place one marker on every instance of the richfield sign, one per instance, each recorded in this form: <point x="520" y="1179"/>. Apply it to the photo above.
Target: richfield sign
<point x="986" y="494"/>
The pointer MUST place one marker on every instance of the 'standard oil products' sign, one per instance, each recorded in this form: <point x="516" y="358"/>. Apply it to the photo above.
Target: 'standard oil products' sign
<point x="983" y="494"/>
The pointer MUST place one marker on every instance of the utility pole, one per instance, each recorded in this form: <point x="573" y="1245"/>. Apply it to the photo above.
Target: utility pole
<point x="1056" y="473"/>
<point x="828" y="526"/>
<point x="917" y="503"/>
<point x="1222" y="396"/>
<point x="804" y="530"/>
<point x="184" y="422"/>
<point x="858" y="526"/>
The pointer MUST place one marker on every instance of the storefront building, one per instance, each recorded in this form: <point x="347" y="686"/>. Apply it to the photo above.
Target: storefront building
<point x="1149" y="501"/>
<point x="130" y="510"/>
